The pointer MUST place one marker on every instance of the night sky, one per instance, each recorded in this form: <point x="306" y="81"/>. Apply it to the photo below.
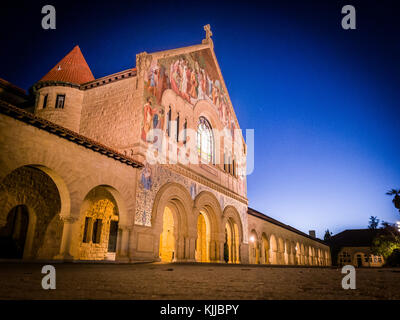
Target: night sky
<point x="323" y="101"/>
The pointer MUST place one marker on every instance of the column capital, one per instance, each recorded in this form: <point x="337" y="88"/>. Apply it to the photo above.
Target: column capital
<point x="68" y="219"/>
<point x="125" y="228"/>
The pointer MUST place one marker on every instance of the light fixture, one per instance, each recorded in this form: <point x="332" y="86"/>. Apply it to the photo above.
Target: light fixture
<point x="398" y="225"/>
<point x="252" y="239"/>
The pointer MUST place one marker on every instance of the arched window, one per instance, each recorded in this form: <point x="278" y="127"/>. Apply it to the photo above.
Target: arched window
<point x="169" y="117"/>
<point x="185" y="132"/>
<point x="205" y="140"/>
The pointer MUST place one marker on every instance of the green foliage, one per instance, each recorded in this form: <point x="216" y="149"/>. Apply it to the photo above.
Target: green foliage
<point x="387" y="240"/>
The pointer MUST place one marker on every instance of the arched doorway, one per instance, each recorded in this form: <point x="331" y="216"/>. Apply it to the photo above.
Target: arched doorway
<point x="265" y="249"/>
<point x="273" y="249"/>
<point x="167" y="237"/>
<point x="287" y="250"/>
<point x="99" y="225"/>
<point x="23" y="190"/>
<point x="13" y="235"/>
<point x="254" y="248"/>
<point x="203" y="238"/>
<point x="231" y="246"/>
<point x="297" y="254"/>
<point x="170" y="212"/>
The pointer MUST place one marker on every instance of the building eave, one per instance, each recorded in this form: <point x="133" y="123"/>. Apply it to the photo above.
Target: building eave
<point x="64" y="133"/>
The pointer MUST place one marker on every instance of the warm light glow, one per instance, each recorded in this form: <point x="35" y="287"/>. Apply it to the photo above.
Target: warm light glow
<point x="252" y="239"/>
<point x="167" y="238"/>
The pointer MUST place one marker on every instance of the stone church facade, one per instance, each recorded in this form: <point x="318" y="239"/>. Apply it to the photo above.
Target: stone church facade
<point x="93" y="169"/>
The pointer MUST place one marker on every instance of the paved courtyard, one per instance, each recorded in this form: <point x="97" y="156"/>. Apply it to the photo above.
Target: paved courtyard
<point x="193" y="281"/>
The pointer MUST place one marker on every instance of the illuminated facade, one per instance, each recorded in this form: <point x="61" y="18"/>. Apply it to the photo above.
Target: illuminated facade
<point x="93" y="170"/>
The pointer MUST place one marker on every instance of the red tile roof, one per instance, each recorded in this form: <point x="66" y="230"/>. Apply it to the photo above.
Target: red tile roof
<point x="72" y="68"/>
<point x="263" y="216"/>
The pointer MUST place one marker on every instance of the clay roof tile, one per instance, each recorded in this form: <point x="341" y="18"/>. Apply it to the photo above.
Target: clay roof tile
<point x="72" y="68"/>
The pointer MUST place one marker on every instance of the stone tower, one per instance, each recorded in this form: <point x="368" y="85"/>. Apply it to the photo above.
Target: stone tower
<point x="58" y="94"/>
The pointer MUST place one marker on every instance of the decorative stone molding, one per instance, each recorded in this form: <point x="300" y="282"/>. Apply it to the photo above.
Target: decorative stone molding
<point x="68" y="219"/>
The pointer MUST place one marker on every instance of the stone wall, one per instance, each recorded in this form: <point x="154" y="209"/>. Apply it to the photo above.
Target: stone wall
<point x="69" y="116"/>
<point x="73" y="170"/>
<point x="111" y="114"/>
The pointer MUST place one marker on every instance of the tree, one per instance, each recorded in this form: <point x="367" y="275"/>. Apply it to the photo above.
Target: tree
<point x="396" y="198"/>
<point x="373" y="223"/>
<point x="387" y="242"/>
<point x="327" y="235"/>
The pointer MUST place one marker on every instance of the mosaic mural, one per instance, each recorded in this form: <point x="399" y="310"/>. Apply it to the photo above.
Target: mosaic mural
<point x="193" y="77"/>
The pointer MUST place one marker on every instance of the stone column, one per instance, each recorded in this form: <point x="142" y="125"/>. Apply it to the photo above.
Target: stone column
<point x="65" y="247"/>
<point x="281" y="259"/>
<point x="244" y="252"/>
<point x="292" y="258"/>
<point x="187" y="248"/>
<point x="213" y="251"/>
<point x="221" y="251"/>
<point x="192" y="248"/>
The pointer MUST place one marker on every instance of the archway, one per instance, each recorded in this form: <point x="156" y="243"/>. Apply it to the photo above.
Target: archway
<point x="99" y="222"/>
<point x="203" y="238"/>
<point x="232" y="239"/>
<point x="265" y="249"/>
<point x="281" y="251"/>
<point x="302" y="254"/>
<point x="174" y="199"/>
<point x="167" y="237"/>
<point x="210" y="236"/>
<point x="287" y="250"/>
<point x="13" y="235"/>
<point x="273" y="249"/>
<point x="297" y="254"/>
<point x="254" y="248"/>
<point x="22" y="200"/>
<point x="232" y="224"/>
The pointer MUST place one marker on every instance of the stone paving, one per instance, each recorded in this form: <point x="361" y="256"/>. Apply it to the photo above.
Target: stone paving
<point x="193" y="281"/>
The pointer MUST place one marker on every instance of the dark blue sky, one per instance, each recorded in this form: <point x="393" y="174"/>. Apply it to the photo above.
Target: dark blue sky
<point x="324" y="102"/>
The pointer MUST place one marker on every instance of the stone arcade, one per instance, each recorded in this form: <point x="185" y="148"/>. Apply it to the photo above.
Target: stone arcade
<point x="75" y="183"/>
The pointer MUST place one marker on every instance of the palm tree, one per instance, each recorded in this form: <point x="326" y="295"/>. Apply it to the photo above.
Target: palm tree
<point x="396" y="198"/>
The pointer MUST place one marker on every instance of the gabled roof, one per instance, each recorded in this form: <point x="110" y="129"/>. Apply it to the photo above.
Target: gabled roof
<point x="354" y="238"/>
<point x="72" y="68"/>
<point x="206" y="44"/>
